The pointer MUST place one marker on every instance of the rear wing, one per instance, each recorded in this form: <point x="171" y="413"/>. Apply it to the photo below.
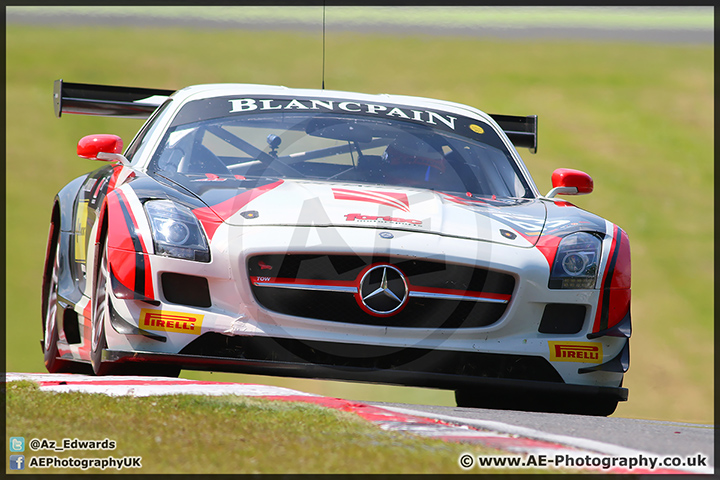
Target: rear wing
<point x="131" y="102"/>
<point x="522" y="131"/>
<point x="107" y="101"/>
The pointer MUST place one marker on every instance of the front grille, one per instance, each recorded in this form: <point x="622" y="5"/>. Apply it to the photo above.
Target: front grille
<point x="325" y="287"/>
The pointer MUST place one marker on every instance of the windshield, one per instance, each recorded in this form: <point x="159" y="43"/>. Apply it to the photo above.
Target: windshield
<point x="356" y="148"/>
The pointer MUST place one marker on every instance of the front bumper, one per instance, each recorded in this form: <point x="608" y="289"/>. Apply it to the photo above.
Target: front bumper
<point x="237" y="334"/>
<point x="415" y="367"/>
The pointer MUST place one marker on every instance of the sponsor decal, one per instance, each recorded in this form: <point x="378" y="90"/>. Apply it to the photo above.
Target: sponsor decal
<point x="81" y="231"/>
<point x="357" y="217"/>
<point x="585" y="352"/>
<point x="391" y="199"/>
<point x="244" y="105"/>
<point x="264" y="266"/>
<point x="164" y="321"/>
<point x="477" y="129"/>
<point x="387" y="235"/>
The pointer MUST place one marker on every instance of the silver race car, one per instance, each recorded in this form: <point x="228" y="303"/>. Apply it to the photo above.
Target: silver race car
<point x="327" y="234"/>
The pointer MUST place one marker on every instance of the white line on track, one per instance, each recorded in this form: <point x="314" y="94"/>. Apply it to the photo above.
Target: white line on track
<point x="580" y="443"/>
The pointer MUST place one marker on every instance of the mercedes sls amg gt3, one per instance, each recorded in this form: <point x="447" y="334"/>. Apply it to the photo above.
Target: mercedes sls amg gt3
<point x="327" y="234"/>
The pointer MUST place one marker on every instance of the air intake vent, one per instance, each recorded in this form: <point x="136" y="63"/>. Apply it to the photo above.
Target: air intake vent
<point x="562" y="318"/>
<point x="186" y="290"/>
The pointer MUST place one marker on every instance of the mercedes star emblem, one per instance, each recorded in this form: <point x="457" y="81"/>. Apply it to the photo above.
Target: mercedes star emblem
<point x="383" y="290"/>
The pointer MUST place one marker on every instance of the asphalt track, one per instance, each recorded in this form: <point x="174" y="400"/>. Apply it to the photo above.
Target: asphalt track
<point x="658" y="437"/>
<point x="667" y="35"/>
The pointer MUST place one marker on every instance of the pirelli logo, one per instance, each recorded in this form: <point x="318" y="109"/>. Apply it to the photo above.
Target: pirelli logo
<point x="585" y="352"/>
<point x="164" y="321"/>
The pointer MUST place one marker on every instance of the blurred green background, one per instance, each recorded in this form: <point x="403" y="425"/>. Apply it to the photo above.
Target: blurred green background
<point x="637" y="116"/>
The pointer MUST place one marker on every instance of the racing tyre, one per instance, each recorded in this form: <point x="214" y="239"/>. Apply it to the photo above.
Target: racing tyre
<point x="100" y="312"/>
<point x="100" y="318"/>
<point x="50" y="326"/>
<point x="539" y="402"/>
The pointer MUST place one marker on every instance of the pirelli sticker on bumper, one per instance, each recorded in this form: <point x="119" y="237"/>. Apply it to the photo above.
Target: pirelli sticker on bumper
<point x="585" y="352"/>
<point x="164" y="321"/>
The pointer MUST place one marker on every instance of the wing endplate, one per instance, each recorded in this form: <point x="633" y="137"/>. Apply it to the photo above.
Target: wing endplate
<point x="522" y="131"/>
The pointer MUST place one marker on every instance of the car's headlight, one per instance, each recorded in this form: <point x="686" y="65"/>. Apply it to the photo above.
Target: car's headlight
<point x="576" y="262"/>
<point x="176" y="231"/>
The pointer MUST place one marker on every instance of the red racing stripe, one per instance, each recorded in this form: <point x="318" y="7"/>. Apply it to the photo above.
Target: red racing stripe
<point x="548" y="245"/>
<point x="212" y="217"/>
<point x="614" y="301"/>
<point x="259" y="280"/>
<point x="112" y="182"/>
<point x="127" y="253"/>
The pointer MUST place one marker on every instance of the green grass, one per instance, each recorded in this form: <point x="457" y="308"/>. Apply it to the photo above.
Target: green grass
<point x="637" y="117"/>
<point x="230" y="434"/>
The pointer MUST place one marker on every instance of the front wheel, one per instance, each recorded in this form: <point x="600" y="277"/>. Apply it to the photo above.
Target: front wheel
<point x="100" y="318"/>
<point x="100" y="312"/>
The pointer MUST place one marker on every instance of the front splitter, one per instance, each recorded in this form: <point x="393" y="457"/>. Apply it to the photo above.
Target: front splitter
<point x="406" y="378"/>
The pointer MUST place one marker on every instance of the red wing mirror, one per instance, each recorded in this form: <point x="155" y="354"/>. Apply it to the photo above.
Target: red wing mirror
<point x="94" y="145"/>
<point x="566" y="181"/>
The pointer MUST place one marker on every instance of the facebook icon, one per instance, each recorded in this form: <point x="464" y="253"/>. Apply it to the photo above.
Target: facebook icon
<point x="17" y="462"/>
